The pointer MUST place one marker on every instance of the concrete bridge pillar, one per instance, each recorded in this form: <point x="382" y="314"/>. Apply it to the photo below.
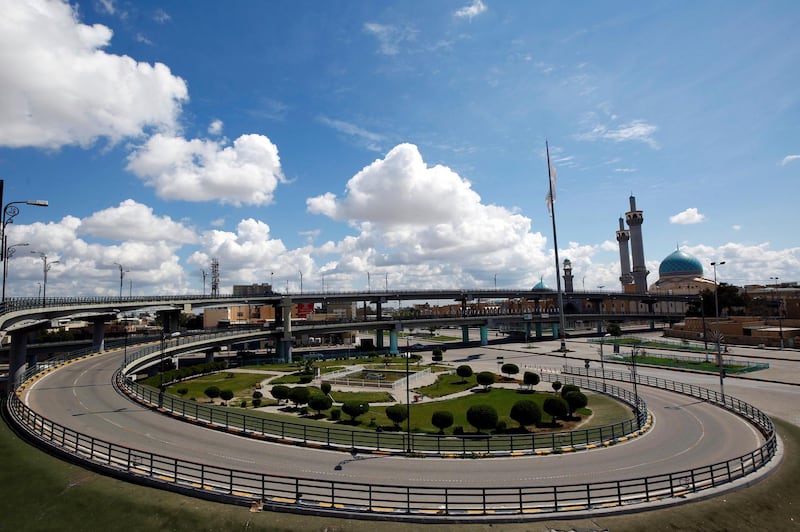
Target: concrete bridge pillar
<point x="99" y="335"/>
<point x="527" y="331"/>
<point x="379" y="338"/>
<point x="484" y="335"/>
<point x="393" y="342"/>
<point x="286" y="340"/>
<point x="378" y="310"/>
<point x="555" y="331"/>
<point x="465" y="333"/>
<point x="210" y="355"/>
<point x="17" y="356"/>
<point x="600" y="327"/>
<point x="538" y="329"/>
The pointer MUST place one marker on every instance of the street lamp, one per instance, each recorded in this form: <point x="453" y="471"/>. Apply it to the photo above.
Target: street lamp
<point x="602" y="365"/>
<point x="45" y="268"/>
<point x="495" y="281"/>
<point x="121" y="277"/>
<point x="369" y="283"/>
<point x="716" y="316"/>
<point x="8" y="254"/>
<point x="301" y="281"/>
<point x="10" y="210"/>
<point x="408" y="394"/>
<point x="204" y="274"/>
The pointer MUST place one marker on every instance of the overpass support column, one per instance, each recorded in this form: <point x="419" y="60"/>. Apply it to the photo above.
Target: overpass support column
<point x="210" y="355"/>
<point x="379" y="338"/>
<point x="538" y="329"/>
<point x="393" y="342"/>
<point x="99" y="336"/>
<point x="465" y="333"/>
<point x="600" y="327"/>
<point x="378" y="309"/>
<point x="527" y="331"/>
<point x="555" y="331"/>
<point x="286" y="340"/>
<point x="652" y="325"/>
<point x="17" y="356"/>
<point x="484" y="335"/>
<point x="169" y="320"/>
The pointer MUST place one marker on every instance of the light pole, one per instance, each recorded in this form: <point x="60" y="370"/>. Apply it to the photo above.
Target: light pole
<point x="495" y="281"/>
<point x="301" y="281"/>
<point x="408" y="394"/>
<point x="635" y="378"/>
<point x="45" y="268"/>
<point x="10" y="210"/>
<point x="602" y="365"/>
<point x="270" y="280"/>
<point x="369" y="283"/>
<point x="204" y="274"/>
<point x="716" y="319"/>
<point x="121" y="277"/>
<point x="8" y="254"/>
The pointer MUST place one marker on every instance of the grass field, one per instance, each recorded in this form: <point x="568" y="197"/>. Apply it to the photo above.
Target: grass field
<point x="241" y="384"/>
<point x="41" y="493"/>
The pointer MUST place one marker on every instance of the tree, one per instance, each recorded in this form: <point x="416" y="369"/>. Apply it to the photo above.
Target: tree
<point x="556" y="386"/>
<point x="614" y="329"/>
<point x="397" y="414"/>
<point x="482" y="417"/>
<point x="569" y="388"/>
<point x="526" y="412"/>
<point x="320" y="402"/>
<point x="355" y="409"/>
<point x="530" y="379"/>
<point x="212" y="392"/>
<point x="299" y="395"/>
<point x="437" y="354"/>
<point x="279" y="392"/>
<point x="555" y="407"/>
<point x="257" y="395"/>
<point x="442" y="419"/>
<point x="485" y="379"/>
<point x="510" y="369"/>
<point x="575" y="400"/>
<point x="464" y="371"/>
<point x="226" y="395"/>
<point x="325" y="387"/>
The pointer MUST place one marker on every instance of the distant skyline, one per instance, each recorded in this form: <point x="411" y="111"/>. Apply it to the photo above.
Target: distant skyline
<point x="396" y="139"/>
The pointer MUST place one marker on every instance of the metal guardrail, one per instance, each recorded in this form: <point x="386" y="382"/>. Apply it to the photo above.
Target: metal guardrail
<point x="399" y="501"/>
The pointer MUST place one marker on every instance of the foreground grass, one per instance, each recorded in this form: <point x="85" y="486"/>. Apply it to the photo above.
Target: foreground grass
<point x="41" y="493"/>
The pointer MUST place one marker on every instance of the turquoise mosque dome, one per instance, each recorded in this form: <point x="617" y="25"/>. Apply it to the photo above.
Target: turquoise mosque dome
<point x="680" y="263"/>
<point x="541" y="286"/>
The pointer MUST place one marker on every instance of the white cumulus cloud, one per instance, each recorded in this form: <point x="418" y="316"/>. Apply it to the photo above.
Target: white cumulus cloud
<point x="473" y="10"/>
<point x="215" y="128"/>
<point x="788" y="159"/>
<point x="135" y="221"/>
<point x="687" y="217"/>
<point x="60" y="87"/>
<point x="246" y="172"/>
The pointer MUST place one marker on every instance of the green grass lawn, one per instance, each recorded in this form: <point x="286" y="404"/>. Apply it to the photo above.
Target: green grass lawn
<point x="699" y="365"/>
<point x="241" y="384"/>
<point x="367" y="397"/>
<point x="448" y="384"/>
<point x="42" y="493"/>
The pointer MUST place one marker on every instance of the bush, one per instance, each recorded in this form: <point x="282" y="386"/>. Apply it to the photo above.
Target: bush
<point x="500" y="427"/>
<point x="397" y="414"/>
<point x="320" y="402"/>
<point x="258" y="395"/>
<point x="226" y="395"/>
<point x="530" y="379"/>
<point x="464" y="371"/>
<point x="526" y="412"/>
<point x="182" y="391"/>
<point x="279" y="392"/>
<point x="299" y="395"/>
<point x="510" y="369"/>
<point x="569" y="388"/>
<point x="243" y="404"/>
<point x="355" y="409"/>
<point x="556" y="407"/>
<point x="441" y="419"/>
<point x="575" y="400"/>
<point x="212" y="392"/>
<point x="556" y="386"/>
<point x="256" y="403"/>
<point x="325" y="387"/>
<point x="485" y="379"/>
<point x="305" y="379"/>
<point x="482" y="417"/>
<point x="437" y="354"/>
<point x="458" y="430"/>
<point x="336" y="414"/>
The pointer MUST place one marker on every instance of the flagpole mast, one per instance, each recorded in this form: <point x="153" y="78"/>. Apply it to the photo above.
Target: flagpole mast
<point x="551" y="205"/>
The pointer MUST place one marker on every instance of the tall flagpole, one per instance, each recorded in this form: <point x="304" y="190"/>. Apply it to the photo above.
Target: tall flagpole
<point x="552" y="207"/>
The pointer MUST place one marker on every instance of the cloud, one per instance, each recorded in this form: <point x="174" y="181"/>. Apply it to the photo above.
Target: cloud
<point x="140" y="37"/>
<point x="736" y="227"/>
<point x="161" y="16"/>
<point x="106" y="6"/>
<point x="136" y="222"/>
<point x="60" y="88"/>
<point x="369" y="139"/>
<point x="435" y="225"/>
<point x="687" y="217"/>
<point x="389" y="37"/>
<point x="215" y="128"/>
<point x="789" y="158"/>
<point x="476" y="8"/>
<point x="637" y="131"/>
<point x="248" y="172"/>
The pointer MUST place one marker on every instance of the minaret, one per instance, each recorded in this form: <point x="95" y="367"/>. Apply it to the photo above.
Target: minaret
<point x="635" y="219"/>
<point x="623" y="235"/>
<point x="567" y="276"/>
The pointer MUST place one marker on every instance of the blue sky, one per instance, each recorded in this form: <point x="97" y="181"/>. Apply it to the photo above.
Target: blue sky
<point x="400" y="139"/>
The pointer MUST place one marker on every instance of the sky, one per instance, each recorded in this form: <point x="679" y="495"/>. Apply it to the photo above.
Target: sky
<point x="354" y="145"/>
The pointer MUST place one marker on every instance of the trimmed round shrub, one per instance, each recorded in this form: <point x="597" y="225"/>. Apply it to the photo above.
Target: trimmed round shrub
<point x="256" y="403"/>
<point x="437" y="354"/>
<point x="555" y="407"/>
<point x="530" y="379"/>
<point x="509" y="369"/>
<point x="279" y="392"/>
<point x="482" y="417"/>
<point x="212" y="392"/>
<point x="525" y="413"/>
<point x="442" y="419"/>
<point x="299" y="395"/>
<point x="485" y="379"/>
<point x="569" y="388"/>
<point x="336" y="414"/>
<point x="556" y="386"/>
<point x="258" y="395"/>
<point x="226" y="395"/>
<point x="397" y="414"/>
<point x="575" y="400"/>
<point x="464" y="371"/>
<point x="243" y="404"/>
<point x="355" y="409"/>
<point x="320" y="402"/>
<point x="325" y="387"/>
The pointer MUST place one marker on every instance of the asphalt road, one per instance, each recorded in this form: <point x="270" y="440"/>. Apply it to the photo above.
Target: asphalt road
<point x="686" y="434"/>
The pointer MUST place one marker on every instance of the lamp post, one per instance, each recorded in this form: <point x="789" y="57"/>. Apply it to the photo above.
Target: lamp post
<point x="10" y="210"/>
<point x="301" y="281"/>
<point x="369" y="283"/>
<point x="635" y="379"/>
<point x="716" y="319"/>
<point x="408" y="394"/>
<point x="45" y="268"/>
<point x="602" y="365"/>
<point x="8" y="254"/>
<point x="495" y="281"/>
<point x="204" y="274"/>
<point x="121" y="277"/>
